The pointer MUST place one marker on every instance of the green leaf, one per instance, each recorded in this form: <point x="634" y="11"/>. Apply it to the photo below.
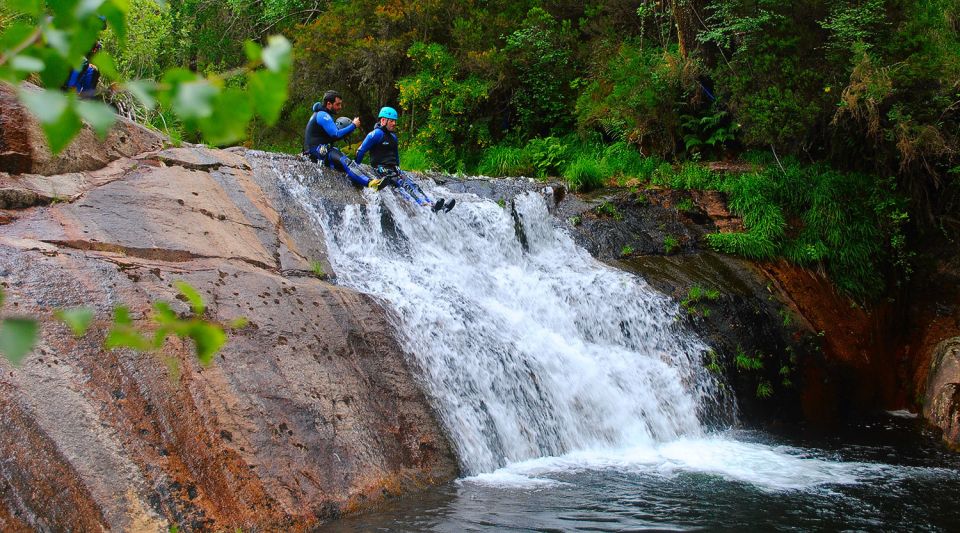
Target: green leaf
<point x="126" y="337"/>
<point x="209" y="338"/>
<point x="163" y="313"/>
<point x="239" y="322"/>
<point x="46" y="105"/>
<point x="115" y="13"/>
<point x="57" y="118"/>
<point x="143" y="90"/>
<point x="58" y="40"/>
<point x="106" y="64"/>
<point x="88" y="7"/>
<point x="252" y="50"/>
<point x="60" y="133"/>
<point x="24" y="63"/>
<point x="276" y="56"/>
<point x="56" y="67"/>
<point x="268" y="90"/>
<point x="17" y="338"/>
<point x="78" y="318"/>
<point x="194" y="99"/>
<point x="231" y="115"/>
<point x="121" y="316"/>
<point x="196" y="301"/>
<point x="99" y="115"/>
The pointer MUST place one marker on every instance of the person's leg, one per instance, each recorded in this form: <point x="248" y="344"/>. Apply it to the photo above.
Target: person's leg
<point x="337" y="160"/>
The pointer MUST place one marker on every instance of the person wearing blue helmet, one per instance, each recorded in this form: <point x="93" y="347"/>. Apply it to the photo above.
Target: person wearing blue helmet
<point x="384" y="149"/>
<point x="320" y="134"/>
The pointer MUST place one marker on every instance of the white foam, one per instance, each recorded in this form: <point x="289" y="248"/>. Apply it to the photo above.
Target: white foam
<point x="766" y="467"/>
<point x="902" y="413"/>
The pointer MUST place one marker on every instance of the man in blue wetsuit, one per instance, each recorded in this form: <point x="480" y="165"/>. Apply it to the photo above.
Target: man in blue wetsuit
<point x="320" y="134"/>
<point x="384" y="149"/>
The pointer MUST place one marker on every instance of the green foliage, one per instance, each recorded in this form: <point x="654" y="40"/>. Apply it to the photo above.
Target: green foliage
<point x="633" y="94"/>
<point x="685" y="205"/>
<point x="17" y="338"/>
<point x="317" y="268"/>
<point x="19" y="335"/>
<point x="697" y="297"/>
<point x="608" y="209"/>
<point x="670" y="244"/>
<point x="626" y="251"/>
<point x="548" y="155"/>
<point x="584" y="173"/>
<point x="707" y="133"/>
<point x="849" y="223"/>
<point x="713" y="363"/>
<point x="505" y="161"/>
<point x="747" y="362"/>
<point x="448" y="103"/>
<point x="624" y="162"/>
<point x="207" y="337"/>
<point x="541" y="45"/>
<point x="415" y="158"/>
<point x="764" y="390"/>
<point x="78" y="319"/>
<point x="49" y="46"/>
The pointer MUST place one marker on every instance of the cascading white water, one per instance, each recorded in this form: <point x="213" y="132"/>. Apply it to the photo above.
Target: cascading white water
<point x="528" y="350"/>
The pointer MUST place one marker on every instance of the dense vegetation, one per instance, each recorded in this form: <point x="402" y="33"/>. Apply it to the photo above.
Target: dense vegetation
<point x="849" y="108"/>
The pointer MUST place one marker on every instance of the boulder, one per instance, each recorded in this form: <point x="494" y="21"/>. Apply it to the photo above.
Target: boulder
<point x="24" y="149"/>
<point x="941" y="405"/>
<point x="308" y="412"/>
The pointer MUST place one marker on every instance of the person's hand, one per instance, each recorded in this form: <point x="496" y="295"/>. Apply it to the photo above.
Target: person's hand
<point x="356" y="121"/>
<point x="375" y="184"/>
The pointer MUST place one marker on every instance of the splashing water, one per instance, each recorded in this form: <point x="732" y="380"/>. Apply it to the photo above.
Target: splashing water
<point x="529" y="346"/>
<point x="572" y="395"/>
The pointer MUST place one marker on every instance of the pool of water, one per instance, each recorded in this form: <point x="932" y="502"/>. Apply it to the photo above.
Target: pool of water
<point x="884" y="474"/>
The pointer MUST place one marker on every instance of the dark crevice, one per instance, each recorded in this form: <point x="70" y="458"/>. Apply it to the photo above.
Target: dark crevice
<point x="153" y="254"/>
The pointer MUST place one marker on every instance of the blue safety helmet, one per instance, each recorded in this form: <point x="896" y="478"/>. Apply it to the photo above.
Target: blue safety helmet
<point x="317" y="106"/>
<point x="343" y="122"/>
<point x="388" y="112"/>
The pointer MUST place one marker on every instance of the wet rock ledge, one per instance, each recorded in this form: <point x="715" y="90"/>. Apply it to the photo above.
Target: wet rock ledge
<point x="307" y="413"/>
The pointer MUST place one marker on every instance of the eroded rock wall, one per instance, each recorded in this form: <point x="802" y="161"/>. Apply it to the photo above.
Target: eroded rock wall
<point x="309" y="411"/>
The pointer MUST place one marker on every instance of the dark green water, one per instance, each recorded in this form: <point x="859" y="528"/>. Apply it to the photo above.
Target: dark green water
<point x="886" y="474"/>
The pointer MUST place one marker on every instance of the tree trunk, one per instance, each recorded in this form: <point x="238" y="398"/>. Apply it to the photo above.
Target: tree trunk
<point x="686" y="19"/>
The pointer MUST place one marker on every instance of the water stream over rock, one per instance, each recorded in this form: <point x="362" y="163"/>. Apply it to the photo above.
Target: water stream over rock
<point x="548" y="367"/>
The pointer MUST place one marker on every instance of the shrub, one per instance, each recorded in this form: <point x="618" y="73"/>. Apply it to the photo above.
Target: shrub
<point x="584" y="174"/>
<point x="505" y="161"/>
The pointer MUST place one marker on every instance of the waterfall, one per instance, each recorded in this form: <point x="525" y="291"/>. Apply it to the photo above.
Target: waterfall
<point x="527" y="345"/>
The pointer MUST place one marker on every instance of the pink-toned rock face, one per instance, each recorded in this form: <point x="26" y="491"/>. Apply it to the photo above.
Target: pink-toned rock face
<point x="23" y="147"/>
<point x="941" y="405"/>
<point x="309" y="411"/>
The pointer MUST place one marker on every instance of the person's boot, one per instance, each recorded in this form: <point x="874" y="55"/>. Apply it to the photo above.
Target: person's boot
<point x="449" y="205"/>
<point x="438" y="206"/>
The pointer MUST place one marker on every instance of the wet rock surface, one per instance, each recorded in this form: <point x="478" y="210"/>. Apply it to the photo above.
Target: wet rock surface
<point x="308" y="412"/>
<point x="769" y="355"/>
<point x="941" y="406"/>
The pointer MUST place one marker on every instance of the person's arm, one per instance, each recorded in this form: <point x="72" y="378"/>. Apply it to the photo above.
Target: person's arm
<point x="369" y="142"/>
<point x="326" y="122"/>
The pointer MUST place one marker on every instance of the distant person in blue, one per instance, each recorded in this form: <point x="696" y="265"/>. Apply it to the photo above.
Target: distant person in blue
<point x="384" y="149"/>
<point x="320" y="134"/>
<point x="85" y="79"/>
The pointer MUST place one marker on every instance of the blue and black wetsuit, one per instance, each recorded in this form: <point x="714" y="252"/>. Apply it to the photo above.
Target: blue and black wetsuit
<point x="383" y="147"/>
<point x="318" y="138"/>
<point x="384" y="150"/>
<point x="84" y="80"/>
